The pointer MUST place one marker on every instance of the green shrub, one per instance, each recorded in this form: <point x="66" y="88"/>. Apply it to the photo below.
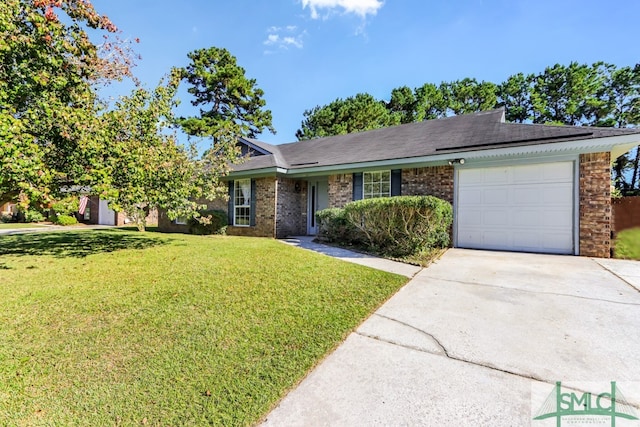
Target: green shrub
<point x="31" y="215"/>
<point x="211" y="221"/>
<point x="65" y="219"/>
<point x="333" y="226"/>
<point x="402" y="226"/>
<point x="67" y="206"/>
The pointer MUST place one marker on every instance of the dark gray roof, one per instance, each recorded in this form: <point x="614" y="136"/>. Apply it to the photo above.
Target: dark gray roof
<point x="480" y="131"/>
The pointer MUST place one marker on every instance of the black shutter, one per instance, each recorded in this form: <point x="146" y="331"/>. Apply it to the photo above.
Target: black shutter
<point x="252" y="213"/>
<point x="230" y="204"/>
<point x="357" y="186"/>
<point x="396" y="182"/>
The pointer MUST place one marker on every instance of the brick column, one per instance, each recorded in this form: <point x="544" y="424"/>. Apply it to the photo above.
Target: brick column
<point x="340" y="190"/>
<point x="595" y="205"/>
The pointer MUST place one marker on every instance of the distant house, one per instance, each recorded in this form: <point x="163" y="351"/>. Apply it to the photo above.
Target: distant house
<point x="8" y="209"/>
<point x="514" y="187"/>
<point x="98" y="212"/>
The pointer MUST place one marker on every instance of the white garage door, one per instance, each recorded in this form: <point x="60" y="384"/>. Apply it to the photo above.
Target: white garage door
<point x="517" y="208"/>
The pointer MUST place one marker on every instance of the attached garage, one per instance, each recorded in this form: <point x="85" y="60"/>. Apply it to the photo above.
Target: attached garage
<point x="527" y="208"/>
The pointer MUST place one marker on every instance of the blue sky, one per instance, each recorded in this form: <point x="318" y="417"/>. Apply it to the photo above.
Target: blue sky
<point x="305" y="53"/>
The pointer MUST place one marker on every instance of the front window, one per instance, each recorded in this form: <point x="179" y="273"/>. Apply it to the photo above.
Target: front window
<point x="242" y="202"/>
<point x="376" y="184"/>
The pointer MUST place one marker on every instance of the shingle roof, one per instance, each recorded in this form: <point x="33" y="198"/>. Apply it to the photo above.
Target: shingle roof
<point x="480" y="131"/>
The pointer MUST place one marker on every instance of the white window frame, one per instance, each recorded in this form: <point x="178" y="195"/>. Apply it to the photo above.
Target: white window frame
<point x="242" y="202"/>
<point x="181" y="220"/>
<point x="374" y="184"/>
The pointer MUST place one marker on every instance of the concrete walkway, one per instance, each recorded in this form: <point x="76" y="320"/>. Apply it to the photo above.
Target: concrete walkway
<point x="479" y="339"/>
<point x="307" y="242"/>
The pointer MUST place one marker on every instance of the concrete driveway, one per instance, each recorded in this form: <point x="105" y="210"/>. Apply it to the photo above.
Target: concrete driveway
<point x="479" y="339"/>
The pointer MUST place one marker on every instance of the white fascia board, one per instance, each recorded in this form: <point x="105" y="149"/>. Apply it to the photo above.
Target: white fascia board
<point x="257" y="173"/>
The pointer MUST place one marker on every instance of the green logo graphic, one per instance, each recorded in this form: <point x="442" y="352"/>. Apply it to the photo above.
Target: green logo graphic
<point x="611" y="404"/>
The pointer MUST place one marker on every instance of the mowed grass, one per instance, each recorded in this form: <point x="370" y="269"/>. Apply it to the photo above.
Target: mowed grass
<point x="17" y="225"/>
<point x="627" y="244"/>
<point x="112" y="327"/>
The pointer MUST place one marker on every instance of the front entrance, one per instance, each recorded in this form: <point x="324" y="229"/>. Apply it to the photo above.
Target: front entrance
<point x="318" y="190"/>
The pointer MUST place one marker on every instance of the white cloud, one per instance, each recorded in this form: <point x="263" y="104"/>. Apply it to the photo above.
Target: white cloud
<point x="283" y="38"/>
<point x="293" y="41"/>
<point x="361" y="8"/>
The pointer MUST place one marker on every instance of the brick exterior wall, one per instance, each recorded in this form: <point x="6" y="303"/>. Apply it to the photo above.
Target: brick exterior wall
<point x="430" y="181"/>
<point x="291" y="208"/>
<point x="340" y="190"/>
<point x="595" y="205"/>
<point x="265" y="211"/>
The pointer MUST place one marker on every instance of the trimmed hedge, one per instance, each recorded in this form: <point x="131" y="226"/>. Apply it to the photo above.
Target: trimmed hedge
<point x="333" y="226"/>
<point x="395" y="226"/>
<point x="64" y="219"/>
<point x="211" y="221"/>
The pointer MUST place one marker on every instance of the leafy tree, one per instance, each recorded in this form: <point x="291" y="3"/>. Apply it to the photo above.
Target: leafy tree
<point x="515" y="96"/>
<point x="354" y="114"/>
<point x="403" y="104"/>
<point x="225" y="95"/>
<point x="49" y="124"/>
<point x="150" y="169"/>
<point x="561" y="94"/>
<point x="430" y="102"/>
<point x="468" y="96"/>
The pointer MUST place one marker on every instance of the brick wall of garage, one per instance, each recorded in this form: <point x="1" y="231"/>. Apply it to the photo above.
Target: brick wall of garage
<point x="430" y="181"/>
<point x="595" y="205"/>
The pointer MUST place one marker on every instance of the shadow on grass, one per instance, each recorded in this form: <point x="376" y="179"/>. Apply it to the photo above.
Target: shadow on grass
<point x="77" y="244"/>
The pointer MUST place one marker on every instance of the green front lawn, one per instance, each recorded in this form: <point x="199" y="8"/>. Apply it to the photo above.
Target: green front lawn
<point x="112" y="327"/>
<point x="627" y="245"/>
<point x="12" y="225"/>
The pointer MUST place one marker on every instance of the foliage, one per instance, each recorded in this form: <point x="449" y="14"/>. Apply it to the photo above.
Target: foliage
<point x="63" y="219"/>
<point x="207" y="222"/>
<point x="395" y="226"/>
<point x="30" y="215"/>
<point x="150" y="169"/>
<point x="67" y="206"/>
<point x="62" y="211"/>
<point x="468" y="96"/>
<point x="334" y="227"/>
<point x="342" y="116"/>
<point x="49" y="127"/>
<point x="627" y="244"/>
<point x="122" y="328"/>
<point x="227" y="98"/>
<point x="402" y="225"/>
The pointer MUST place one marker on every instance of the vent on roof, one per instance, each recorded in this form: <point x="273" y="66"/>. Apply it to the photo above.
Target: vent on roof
<point x="304" y="164"/>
